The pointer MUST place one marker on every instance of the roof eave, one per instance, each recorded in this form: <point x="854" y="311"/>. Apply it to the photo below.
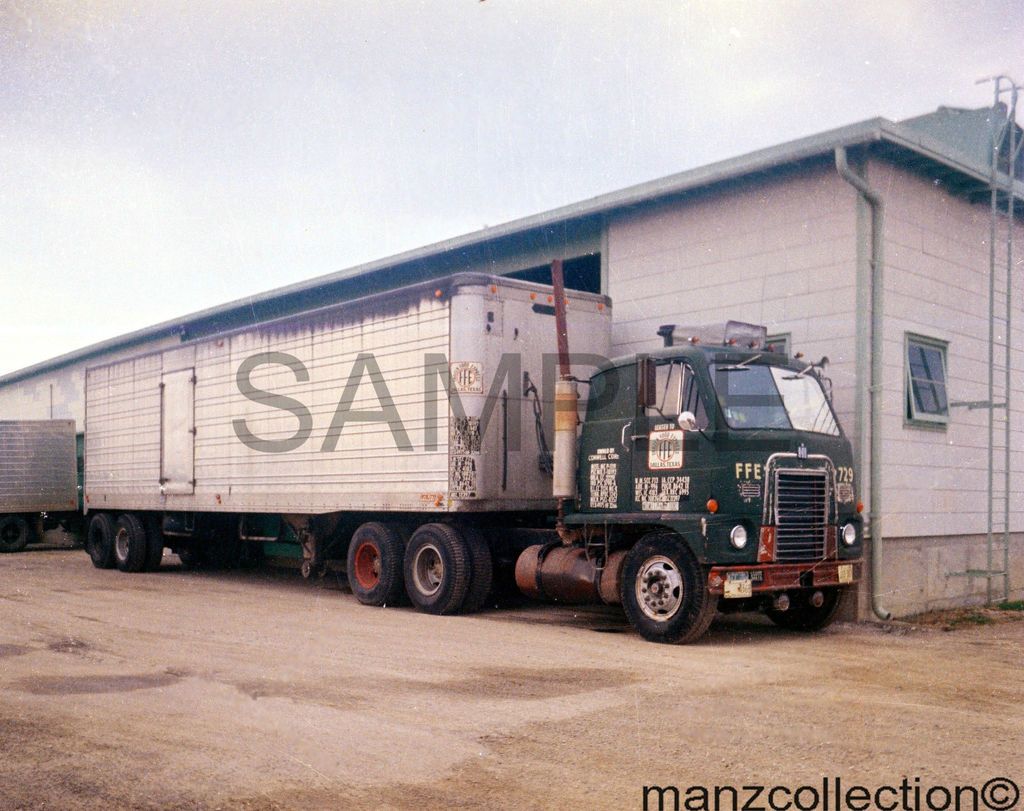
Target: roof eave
<point x="763" y="160"/>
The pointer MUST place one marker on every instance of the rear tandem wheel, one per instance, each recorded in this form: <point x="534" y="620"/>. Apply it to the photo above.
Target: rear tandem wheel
<point x="438" y="568"/>
<point x="99" y="540"/>
<point x="14" y="533"/>
<point x="131" y="544"/>
<point x="374" y="564"/>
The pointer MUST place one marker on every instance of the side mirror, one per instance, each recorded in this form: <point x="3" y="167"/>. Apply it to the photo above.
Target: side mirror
<point x="687" y="421"/>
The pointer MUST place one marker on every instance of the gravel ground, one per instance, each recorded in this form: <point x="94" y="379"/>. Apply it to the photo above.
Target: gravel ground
<point x="256" y="690"/>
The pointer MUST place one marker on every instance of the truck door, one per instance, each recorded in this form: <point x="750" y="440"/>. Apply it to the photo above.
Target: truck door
<point x="606" y="443"/>
<point x="177" y="432"/>
<point x="670" y="464"/>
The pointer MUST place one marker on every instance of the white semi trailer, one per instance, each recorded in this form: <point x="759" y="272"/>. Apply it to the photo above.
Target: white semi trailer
<point x="38" y="475"/>
<point x="408" y="434"/>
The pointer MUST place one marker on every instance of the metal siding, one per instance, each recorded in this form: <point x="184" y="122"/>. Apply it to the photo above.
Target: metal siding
<point x="122" y="431"/>
<point x="38" y="470"/>
<point x="517" y="330"/>
<point x="365" y="471"/>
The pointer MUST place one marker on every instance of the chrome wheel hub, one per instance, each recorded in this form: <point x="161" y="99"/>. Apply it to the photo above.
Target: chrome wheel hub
<point x="659" y="588"/>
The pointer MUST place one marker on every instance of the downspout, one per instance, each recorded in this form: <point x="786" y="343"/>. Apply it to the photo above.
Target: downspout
<point x="877" y="206"/>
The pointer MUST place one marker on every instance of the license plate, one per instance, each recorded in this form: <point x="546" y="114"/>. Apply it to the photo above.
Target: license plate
<point x="738" y="585"/>
<point x="846" y="573"/>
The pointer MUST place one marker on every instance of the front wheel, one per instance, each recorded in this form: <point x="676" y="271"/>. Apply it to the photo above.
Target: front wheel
<point x="808" y="612"/>
<point x="665" y="592"/>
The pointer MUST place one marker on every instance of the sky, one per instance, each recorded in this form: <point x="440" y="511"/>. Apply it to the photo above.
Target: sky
<point x="158" y="158"/>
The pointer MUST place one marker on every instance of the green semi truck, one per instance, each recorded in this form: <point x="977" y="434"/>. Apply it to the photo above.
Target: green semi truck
<point x="711" y="476"/>
<point x="406" y="438"/>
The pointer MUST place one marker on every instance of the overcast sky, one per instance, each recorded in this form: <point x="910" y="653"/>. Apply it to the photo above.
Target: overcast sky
<point x="157" y="158"/>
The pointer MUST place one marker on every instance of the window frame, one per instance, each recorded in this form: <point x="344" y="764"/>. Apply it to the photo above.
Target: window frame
<point x="687" y="375"/>
<point x="911" y="416"/>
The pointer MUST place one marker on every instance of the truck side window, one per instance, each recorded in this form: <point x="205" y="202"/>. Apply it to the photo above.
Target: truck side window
<point x="668" y="389"/>
<point x="678" y="391"/>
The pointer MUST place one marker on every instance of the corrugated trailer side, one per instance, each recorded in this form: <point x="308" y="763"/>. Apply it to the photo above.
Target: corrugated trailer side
<point x="340" y="409"/>
<point x="38" y="474"/>
<point x="242" y="422"/>
<point x="407" y="432"/>
<point x="38" y="470"/>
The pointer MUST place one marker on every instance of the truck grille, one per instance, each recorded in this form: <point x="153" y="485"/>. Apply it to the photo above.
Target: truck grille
<point x="801" y="515"/>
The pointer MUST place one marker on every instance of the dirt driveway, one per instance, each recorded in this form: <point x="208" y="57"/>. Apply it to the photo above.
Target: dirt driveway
<point x="256" y="690"/>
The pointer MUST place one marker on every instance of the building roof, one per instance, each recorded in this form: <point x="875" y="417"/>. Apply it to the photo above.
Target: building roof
<point x="951" y="144"/>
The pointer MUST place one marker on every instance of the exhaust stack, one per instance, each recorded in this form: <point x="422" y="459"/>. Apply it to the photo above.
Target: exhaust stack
<point x="564" y="479"/>
<point x="563" y="484"/>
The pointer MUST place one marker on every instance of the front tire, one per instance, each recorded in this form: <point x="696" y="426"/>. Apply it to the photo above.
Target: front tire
<point x="437" y="569"/>
<point x="14" y="533"/>
<point x="99" y="540"/>
<point x="130" y="544"/>
<point x="802" y="615"/>
<point x="374" y="564"/>
<point x="665" y="592"/>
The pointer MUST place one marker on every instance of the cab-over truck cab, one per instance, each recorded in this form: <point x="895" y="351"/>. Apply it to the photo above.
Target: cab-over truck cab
<point x="714" y="477"/>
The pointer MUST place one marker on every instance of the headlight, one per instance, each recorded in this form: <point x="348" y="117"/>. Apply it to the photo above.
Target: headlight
<point x="738" y="536"/>
<point x="849" y="534"/>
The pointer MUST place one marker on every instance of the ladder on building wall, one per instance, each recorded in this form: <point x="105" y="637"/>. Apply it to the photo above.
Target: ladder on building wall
<point x="1006" y="147"/>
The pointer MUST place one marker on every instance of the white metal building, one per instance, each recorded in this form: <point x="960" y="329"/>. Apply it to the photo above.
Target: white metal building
<point x="780" y="237"/>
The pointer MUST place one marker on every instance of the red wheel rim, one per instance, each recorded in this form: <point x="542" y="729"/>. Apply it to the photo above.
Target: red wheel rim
<point x="367" y="565"/>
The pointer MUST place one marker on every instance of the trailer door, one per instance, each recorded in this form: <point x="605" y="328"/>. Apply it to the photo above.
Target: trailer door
<point x="177" y="431"/>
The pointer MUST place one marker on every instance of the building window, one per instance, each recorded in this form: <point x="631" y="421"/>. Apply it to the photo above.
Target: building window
<point x="926" y="380"/>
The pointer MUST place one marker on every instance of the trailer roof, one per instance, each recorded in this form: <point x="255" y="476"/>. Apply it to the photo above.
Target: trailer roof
<point x="921" y="143"/>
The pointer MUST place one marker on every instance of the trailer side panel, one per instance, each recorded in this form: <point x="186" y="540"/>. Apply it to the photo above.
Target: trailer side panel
<point x="38" y="469"/>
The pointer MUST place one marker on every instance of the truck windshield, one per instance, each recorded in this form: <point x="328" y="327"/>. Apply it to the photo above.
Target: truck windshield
<point x="760" y="396"/>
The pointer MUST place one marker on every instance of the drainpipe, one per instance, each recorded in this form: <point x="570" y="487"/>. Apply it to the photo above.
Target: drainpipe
<point x="877" y="206"/>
